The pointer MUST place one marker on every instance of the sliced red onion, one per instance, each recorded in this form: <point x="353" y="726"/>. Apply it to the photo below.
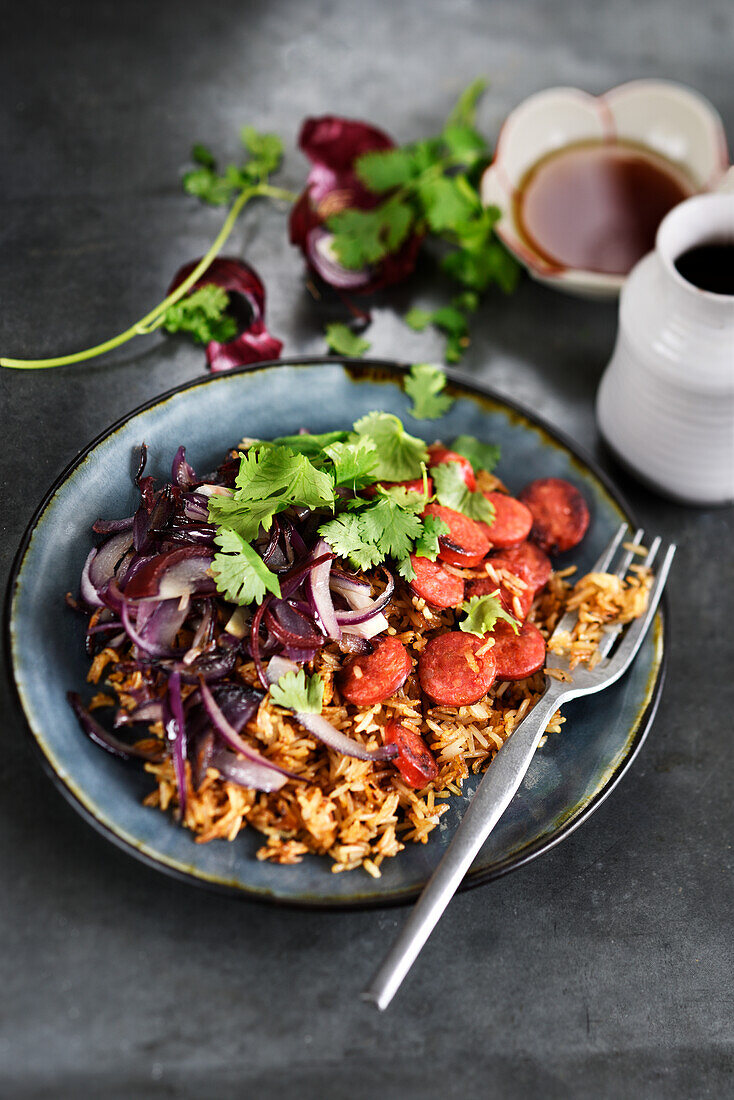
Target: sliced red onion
<point x="102" y="737"/>
<point x="141" y="463"/>
<point x="320" y="593"/>
<point x="181" y="473"/>
<point x="321" y="728"/>
<point x="202" y="635"/>
<point x="160" y="629"/>
<point x="346" y="582"/>
<point x="365" y="608"/>
<point x="293" y="579"/>
<point x="175" y="573"/>
<point x="196" y="507"/>
<point x="319" y="250"/>
<point x="230" y="736"/>
<point x="209" y="666"/>
<point x="108" y="556"/>
<point x="112" y="526"/>
<point x="207" y="490"/>
<point x="148" y="713"/>
<point x="245" y="773"/>
<point x="292" y="626"/>
<point x="87" y="591"/>
<point x="175" y="727"/>
<point x="201" y="750"/>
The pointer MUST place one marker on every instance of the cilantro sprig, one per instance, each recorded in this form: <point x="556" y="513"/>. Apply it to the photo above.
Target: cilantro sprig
<point x="431" y="189"/>
<point x="238" y="185"/>
<point x="483" y="613"/>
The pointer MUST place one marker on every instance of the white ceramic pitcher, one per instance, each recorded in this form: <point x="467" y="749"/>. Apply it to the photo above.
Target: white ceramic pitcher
<point x="666" y="402"/>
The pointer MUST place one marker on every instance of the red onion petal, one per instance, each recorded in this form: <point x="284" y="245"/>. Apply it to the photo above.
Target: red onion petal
<point x="246" y="773"/>
<point x="101" y="737"/>
<point x="230" y="736"/>
<point x="318" y="581"/>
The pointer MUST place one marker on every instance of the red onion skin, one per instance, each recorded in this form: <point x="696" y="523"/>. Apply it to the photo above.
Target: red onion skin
<point x="255" y="344"/>
<point x="230" y="736"/>
<point x="333" y="144"/>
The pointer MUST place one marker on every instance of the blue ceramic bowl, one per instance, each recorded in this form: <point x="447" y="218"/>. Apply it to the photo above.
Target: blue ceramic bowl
<point x="571" y="773"/>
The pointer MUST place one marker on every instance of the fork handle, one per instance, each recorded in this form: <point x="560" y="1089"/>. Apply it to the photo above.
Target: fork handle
<point x="490" y="801"/>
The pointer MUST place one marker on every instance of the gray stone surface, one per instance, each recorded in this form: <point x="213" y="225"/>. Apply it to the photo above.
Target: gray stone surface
<point x="603" y="968"/>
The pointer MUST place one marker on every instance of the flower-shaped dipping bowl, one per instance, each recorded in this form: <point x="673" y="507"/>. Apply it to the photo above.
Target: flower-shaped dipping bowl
<point x="665" y="118"/>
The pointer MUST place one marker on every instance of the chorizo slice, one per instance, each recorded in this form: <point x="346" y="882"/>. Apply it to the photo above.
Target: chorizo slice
<point x="437" y="455"/>
<point x="527" y="561"/>
<point x="414" y="761"/>
<point x="465" y="544"/>
<point x="436" y="585"/>
<point x="512" y="520"/>
<point x="517" y="655"/>
<point x="373" y="678"/>
<point x="450" y="671"/>
<point x="560" y="514"/>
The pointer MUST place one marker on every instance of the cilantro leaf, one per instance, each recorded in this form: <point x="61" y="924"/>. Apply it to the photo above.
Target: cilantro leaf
<point x="343" y="341"/>
<point x="345" y="536"/>
<point x="483" y="456"/>
<point x="447" y="203"/>
<point x="451" y="490"/>
<point x="426" y="545"/>
<point x="219" y="188"/>
<point x="364" y="237"/>
<point x="399" y="455"/>
<point x="390" y="527"/>
<point x="386" y="169"/>
<point x="478" y="268"/>
<point x="202" y="314"/>
<point x="482" y="612"/>
<point x="266" y="149"/>
<point x="353" y="462"/>
<point x="423" y="385"/>
<point x="203" y="183"/>
<point x="200" y="154"/>
<point x="244" y="516"/>
<point x="240" y="573"/>
<point x="465" y="144"/>
<point x="306" y="443"/>
<point x="418" y="319"/>
<point x="300" y="693"/>
<point x="386" y="527"/>
<point x="267" y="470"/>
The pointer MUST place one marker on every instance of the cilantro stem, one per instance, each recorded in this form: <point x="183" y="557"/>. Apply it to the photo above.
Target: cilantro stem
<point x="154" y="318"/>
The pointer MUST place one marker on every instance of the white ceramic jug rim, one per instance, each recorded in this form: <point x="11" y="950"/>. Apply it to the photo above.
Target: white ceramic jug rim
<point x="702" y="219"/>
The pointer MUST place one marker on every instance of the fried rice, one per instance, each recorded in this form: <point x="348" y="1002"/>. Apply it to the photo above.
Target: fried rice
<point x="359" y="813"/>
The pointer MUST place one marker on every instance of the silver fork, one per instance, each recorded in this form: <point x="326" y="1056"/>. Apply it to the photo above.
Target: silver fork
<point x="506" y="771"/>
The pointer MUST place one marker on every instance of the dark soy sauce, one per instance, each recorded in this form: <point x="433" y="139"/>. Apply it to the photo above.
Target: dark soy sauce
<point x="709" y="266"/>
<point x="597" y="206"/>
